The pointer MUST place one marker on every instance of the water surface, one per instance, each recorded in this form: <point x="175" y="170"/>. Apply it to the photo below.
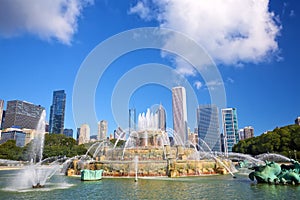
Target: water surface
<point x="210" y="187"/>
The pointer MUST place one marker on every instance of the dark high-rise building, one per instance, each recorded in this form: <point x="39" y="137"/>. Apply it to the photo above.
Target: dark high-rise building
<point x="57" y="112"/>
<point x="22" y="114"/>
<point x="68" y="132"/>
<point x="132" y="119"/>
<point x="3" y="119"/>
<point x="1" y="111"/>
<point x="208" y="127"/>
<point x="77" y="134"/>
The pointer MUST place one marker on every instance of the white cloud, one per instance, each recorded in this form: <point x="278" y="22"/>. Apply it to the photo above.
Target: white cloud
<point x="292" y="13"/>
<point x="230" y="80"/>
<point x="142" y="10"/>
<point x="198" y="84"/>
<point x="231" y="31"/>
<point x="184" y="68"/>
<point x="212" y="85"/>
<point x="48" y="19"/>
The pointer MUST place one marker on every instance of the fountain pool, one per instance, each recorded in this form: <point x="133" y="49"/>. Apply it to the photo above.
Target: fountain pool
<point x="207" y="187"/>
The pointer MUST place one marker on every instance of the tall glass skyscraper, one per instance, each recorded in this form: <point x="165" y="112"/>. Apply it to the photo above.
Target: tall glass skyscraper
<point x="1" y="111"/>
<point x="208" y="127"/>
<point x="180" y="113"/>
<point x="230" y="128"/>
<point x="132" y="120"/>
<point x="57" y="112"/>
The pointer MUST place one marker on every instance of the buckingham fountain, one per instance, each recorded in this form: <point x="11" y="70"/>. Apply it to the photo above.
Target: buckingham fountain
<point x="151" y="151"/>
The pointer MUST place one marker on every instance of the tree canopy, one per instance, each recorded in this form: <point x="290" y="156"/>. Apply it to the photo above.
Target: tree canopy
<point x="284" y="140"/>
<point x="54" y="145"/>
<point x="10" y="151"/>
<point x="60" y="145"/>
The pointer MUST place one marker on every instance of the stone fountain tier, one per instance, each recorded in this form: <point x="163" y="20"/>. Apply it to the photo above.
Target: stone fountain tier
<point x="167" y="161"/>
<point x="170" y="168"/>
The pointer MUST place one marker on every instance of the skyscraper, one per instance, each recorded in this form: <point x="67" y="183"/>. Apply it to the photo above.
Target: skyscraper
<point x="3" y="119"/>
<point x="102" y="130"/>
<point x="208" y="127"/>
<point x="132" y="120"/>
<point x="241" y="134"/>
<point x="161" y="113"/>
<point x="68" y="132"/>
<point x="246" y="133"/>
<point x="57" y="112"/>
<point x="22" y="114"/>
<point x="77" y="134"/>
<point x="1" y="111"/>
<point x="230" y="128"/>
<point x="180" y="113"/>
<point x="84" y="135"/>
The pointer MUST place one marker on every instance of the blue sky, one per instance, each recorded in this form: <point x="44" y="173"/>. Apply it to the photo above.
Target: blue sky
<point x="254" y="45"/>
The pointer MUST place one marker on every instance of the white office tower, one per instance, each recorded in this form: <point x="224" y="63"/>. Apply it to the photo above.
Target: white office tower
<point x="180" y="113"/>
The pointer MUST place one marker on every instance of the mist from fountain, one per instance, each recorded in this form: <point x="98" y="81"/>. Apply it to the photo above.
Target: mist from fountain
<point x="217" y="159"/>
<point x="196" y="154"/>
<point x="36" y="173"/>
<point x="91" y="147"/>
<point x="101" y="145"/>
<point x="241" y="156"/>
<point x="136" y="160"/>
<point x="67" y="164"/>
<point x="37" y="146"/>
<point x="273" y="156"/>
<point x="176" y="137"/>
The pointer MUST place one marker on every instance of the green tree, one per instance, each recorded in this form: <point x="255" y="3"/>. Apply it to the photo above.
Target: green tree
<point x="9" y="150"/>
<point x="60" y="145"/>
<point x="284" y="140"/>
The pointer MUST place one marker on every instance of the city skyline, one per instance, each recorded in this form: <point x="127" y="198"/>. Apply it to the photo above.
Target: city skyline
<point x="253" y="83"/>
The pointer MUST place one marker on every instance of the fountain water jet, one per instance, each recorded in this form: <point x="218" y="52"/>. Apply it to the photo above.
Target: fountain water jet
<point x="136" y="160"/>
<point x="274" y="156"/>
<point x="35" y="175"/>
